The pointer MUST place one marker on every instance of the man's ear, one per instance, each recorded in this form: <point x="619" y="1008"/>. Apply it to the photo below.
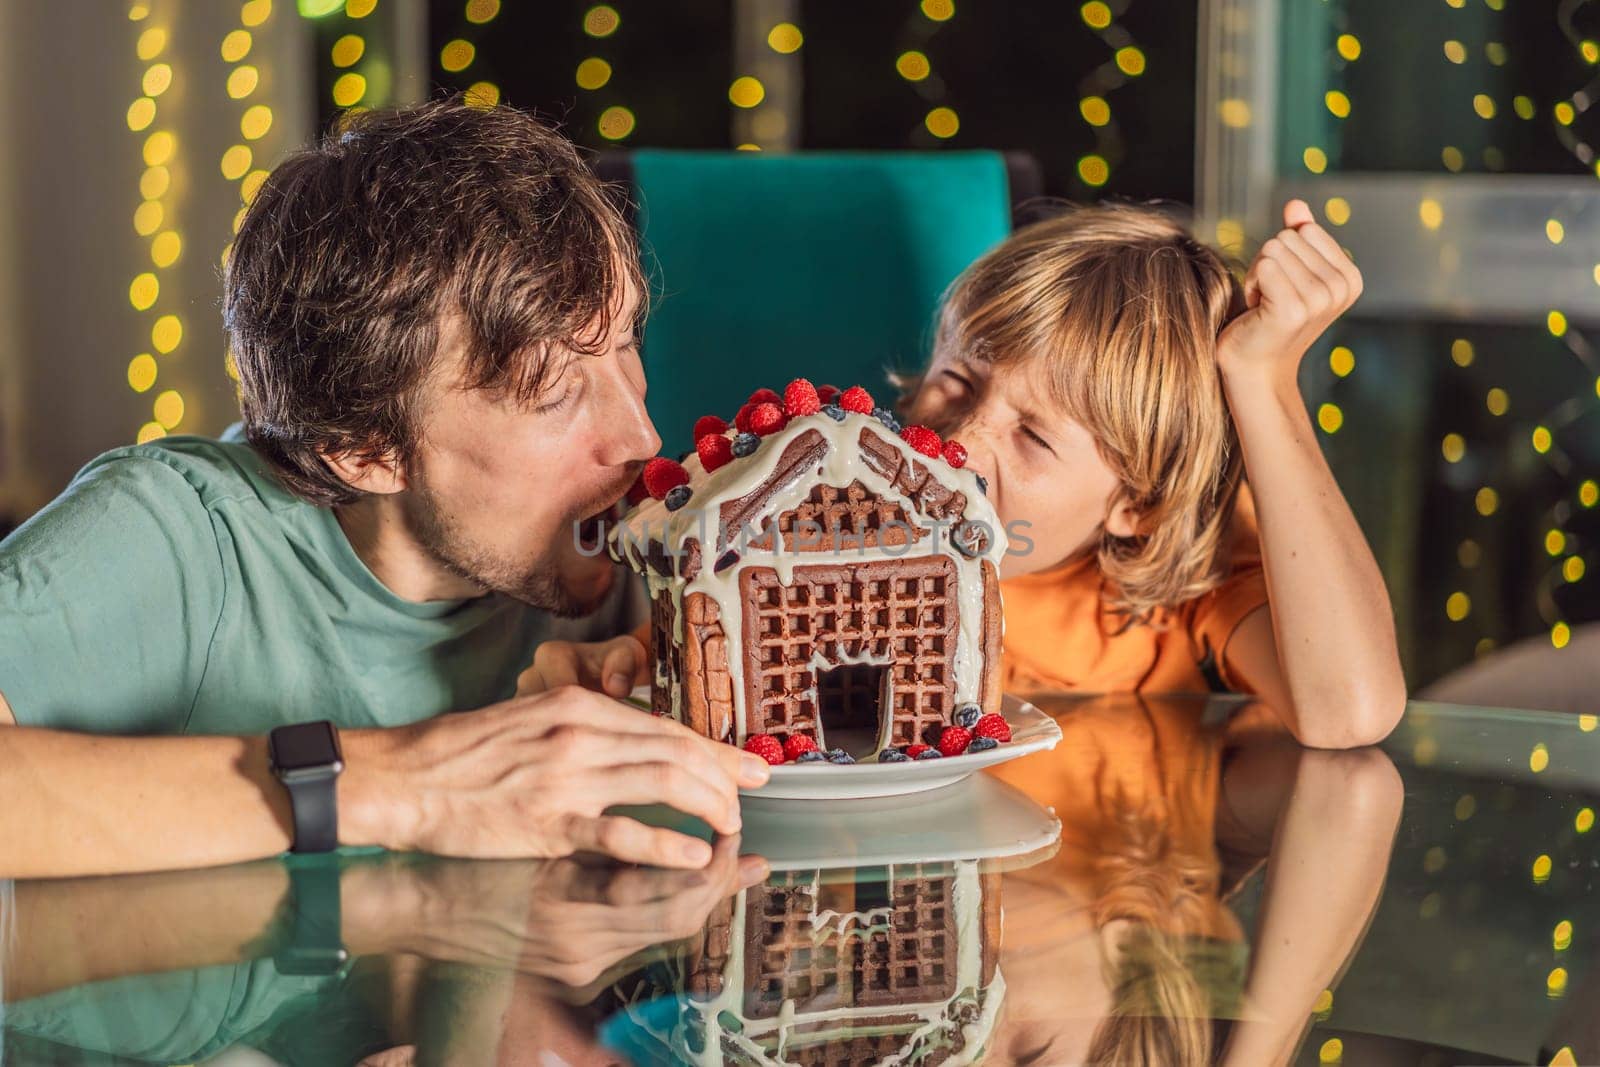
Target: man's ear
<point x="1122" y="519"/>
<point x="381" y="474"/>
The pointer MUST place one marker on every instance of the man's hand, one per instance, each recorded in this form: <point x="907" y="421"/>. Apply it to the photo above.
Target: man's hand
<point x="1300" y="282"/>
<point x="533" y="777"/>
<point x="614" y="667"/>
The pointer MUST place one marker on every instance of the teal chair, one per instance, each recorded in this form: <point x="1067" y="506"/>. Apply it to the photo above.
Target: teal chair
<point x="823" y="265"/>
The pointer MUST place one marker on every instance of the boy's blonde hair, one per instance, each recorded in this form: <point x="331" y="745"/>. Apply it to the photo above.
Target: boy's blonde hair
<point x="1125" y="305"/>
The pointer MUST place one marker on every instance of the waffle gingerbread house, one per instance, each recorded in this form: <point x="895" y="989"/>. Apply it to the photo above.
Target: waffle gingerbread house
<point x="824" y="585"/>
<point x="811" y="968"/>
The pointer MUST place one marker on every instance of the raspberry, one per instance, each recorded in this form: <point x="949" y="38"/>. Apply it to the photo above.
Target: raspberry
<point x="764" y="396"/>
<point x="994" y="726"/>
<point x="916" y="750"/>
<point x="707" y="424"/>
<point x="741" y="421"/>
<point x="637" y="491"/>
<point x="766" y="746"/>
<point x="923" y="440"/>
<point x="856" y="399"/>
<point x="827" y="394"/>
<point x="800" y="398"/>
<point x="954" y="740"/>
<point x="662" y="475"/>
<point x="955" y="454"/>
<point x="797" y="744"/>
<point x="714" y="449"/>
<point x="767" y="418"/>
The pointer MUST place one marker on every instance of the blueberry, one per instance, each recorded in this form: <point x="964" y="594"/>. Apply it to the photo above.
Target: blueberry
<point x="834" y="412"/>
<point x="885" y="416"/>
<point x="983" y="484"/>
<point x="811" y="755"/>
<point x="930" y="753"/>
<point x="967" y="716"/>
<point x="982" y="744"/>
<point x="678" y="496"/>
<point x="745" y="444"/>
<point x="840" y="756"/>
<point x="893" y="755"/>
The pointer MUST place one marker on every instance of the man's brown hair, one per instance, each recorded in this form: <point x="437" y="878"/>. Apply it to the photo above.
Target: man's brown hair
<point x="355" y="249"/>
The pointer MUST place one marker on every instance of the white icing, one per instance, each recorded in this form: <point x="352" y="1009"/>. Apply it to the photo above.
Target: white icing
<point x="841" y="464"/>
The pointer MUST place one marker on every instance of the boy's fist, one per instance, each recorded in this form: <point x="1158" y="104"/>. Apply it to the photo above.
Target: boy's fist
<point x="1300" y="282"/>
<point x="612" y="667"/>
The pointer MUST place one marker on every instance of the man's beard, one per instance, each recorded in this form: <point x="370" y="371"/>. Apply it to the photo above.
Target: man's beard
<point x="536" y="582"/>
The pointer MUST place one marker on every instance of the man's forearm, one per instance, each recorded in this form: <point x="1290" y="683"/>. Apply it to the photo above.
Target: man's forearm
<point x="81" y="804"/>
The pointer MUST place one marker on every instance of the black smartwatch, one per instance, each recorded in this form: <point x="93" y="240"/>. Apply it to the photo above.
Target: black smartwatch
<point x="306" y="758"/>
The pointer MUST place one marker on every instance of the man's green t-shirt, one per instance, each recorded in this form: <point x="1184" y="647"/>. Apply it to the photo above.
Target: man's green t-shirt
<point x="177" y="588"/>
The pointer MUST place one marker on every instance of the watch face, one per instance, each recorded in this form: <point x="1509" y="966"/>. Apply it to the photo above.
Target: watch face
<point x="304" y="746"/>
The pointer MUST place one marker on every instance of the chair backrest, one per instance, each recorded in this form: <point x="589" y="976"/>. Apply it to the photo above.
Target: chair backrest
<point x="828" y="266"/>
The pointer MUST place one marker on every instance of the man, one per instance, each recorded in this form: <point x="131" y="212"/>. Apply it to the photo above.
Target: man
<point x="433" y="315"/>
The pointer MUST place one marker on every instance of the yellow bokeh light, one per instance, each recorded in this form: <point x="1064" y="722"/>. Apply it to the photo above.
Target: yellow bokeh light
<point x="1455" y="51"/>
<point x="144" y="290"/>
<point x="158" y="148"/>
<point x="238" y="219"/>
<point x="482" y="94"/>
<point x="913" y="66"/>
<point x="785" y="38"/>
<point x="1487" y="501"/>
<point x="1338" y="104"/>
<point x="255" y="12"/>
<point x="1496" y="52"/>
<point x="593" y="73"/>
<point x="1461" y="352"/>
<point x="938" y="10"/>
<point x="154" y="182"/>
<point x="1458" y="606"/>
<point x="1541" y="868"/>
<point x="481" y="11"/>
<point x="1541" y="439"/>
<point x="1556" y="323"/>
<point x="348" y="50"/>
<point x="1235" y="113"/>
<point x="615" y="123"/>
<point x="158" y="79"/>
<point x="166" y="333"/>
<point x="147" y="218"/>
<point x="1130" y="61"/>
<point x="236" y="45"/>
<point x="457" y="55"/>
<point x="138" y="11"/>
<point x="1564" y="113"/>
<point x="236" y="162"/>
<point x="1349" y="47"/>
<point x="1539" y="758"/>
<point x="1337" y="209"/>
<point x="255" y="122"/>
<point x="1431" y="212"/>
<point x="168" y="409"/>
<point x="1094" y="170"/>
<point x="1465" y="807"/>
<point x="1555" y="542"/>
<point x="1454" y="447"/>
<point x="251" y="184"/>
<point x="1587" y="723"/>
<point x="746" y="92"/>
<point x="1523" y="106"/>
<point x="152" y="43"/>
<point x="1095" y="110"/>
<point x="1583" y="823"/>
<point x="1430" y="907"/>
<point x="1483" y="104"/>
<point x="1230" y="234"/>
<point x="1330" y="418"/>
<point x="349" y="89"/>
<point x="141" y="113"/>
<point x="601" y="21"/>
<point x="165" y="249"/>
<point x="1573" y="569"/>
<point x="1315" y="159"/>
<point x="748" y="147"/>
<point x="1332" y="1051"/>
<point x="1341" y="361"/>
<point x="942" y="122"/>
<point x="1554" y="231"/>
<point x="1498" y="401"/>
<point x="1590" y="52"/>
<point x="1560" y="634"/>
<point x="360" y="9"/>
<point x="151" y="431"/>
<point x="1096" y="15"/>
<point x="1453" y="160"/>
<point x="142" y="372"/>
<point x="1323" y="1005"/>
<point x="1556" y="984"/>
<point x="243" y="81"/>
<point x="1561" y="936"/>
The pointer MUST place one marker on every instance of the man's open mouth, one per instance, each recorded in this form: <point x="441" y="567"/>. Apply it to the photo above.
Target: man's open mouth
<point x="591" y="532"/>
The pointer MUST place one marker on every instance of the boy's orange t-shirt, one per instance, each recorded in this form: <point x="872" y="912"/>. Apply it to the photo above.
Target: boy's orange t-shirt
<point x="1061" y="635"/>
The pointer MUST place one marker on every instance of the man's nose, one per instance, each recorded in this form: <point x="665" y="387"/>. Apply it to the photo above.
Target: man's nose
<point x="631" y="437"/>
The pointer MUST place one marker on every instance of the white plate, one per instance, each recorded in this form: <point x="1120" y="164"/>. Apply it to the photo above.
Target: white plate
<point x="1031" y="731"/>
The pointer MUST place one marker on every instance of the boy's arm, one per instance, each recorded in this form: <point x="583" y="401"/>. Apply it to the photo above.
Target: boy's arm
<point x="1323" y="654"/>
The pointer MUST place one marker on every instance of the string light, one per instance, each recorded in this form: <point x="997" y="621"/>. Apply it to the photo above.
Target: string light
<point x="1095" y="91"/>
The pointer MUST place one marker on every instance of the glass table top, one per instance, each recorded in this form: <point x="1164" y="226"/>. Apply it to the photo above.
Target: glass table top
<point x="1176" y="882"/>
